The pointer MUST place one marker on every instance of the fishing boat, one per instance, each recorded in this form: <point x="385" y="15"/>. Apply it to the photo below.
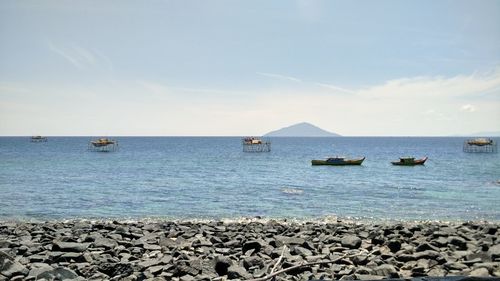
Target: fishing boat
<point x="38" y="139"/>
<point x="480" y="142"/>
<point x="409" y="161"/>
<point x="255" y="144"/>
<point x="102" y="142"/>
<point x="103" y="145"/>
<point x="338" y="161"/>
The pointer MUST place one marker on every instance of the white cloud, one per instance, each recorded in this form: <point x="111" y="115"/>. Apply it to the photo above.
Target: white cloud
<point x="336" y="88"/>
<point x="437" y="86"/>
<point x="407" y="106"/>
<point x="279" y="76"/>
<point x="80" y="57"/>
<point x="468" y="108"/>
<point x="6" y="87"/>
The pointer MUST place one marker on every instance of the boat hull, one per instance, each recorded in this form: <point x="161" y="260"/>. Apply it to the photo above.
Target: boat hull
<point x="414" y="163"/>
<point x="340" y="163"/>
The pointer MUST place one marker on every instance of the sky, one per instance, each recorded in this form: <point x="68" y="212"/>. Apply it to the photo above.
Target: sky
<point x="224" y="68"/>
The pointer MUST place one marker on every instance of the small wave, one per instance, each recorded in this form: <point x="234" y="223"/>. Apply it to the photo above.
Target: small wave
<point x="292" y="191"/>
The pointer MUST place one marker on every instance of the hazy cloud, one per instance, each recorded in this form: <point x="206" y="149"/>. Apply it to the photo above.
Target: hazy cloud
<point x="468" y="108"/>
<point x="336" y="88"/>
<point x="279" y="76"/>
<point x="80" y="57"/>
<point x="437" y="86"/>
<point x="6" y="87"/>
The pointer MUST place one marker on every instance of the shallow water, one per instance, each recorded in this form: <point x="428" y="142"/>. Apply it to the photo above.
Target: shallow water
<point x="188" y="177"/>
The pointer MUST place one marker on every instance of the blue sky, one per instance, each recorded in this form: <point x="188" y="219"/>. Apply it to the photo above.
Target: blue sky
<point x="248" y="67"/>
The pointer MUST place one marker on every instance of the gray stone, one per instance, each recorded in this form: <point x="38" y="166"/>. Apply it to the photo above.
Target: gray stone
<point x="255" y="245"/>
<point x="428" y="254"/>
<point x="458" y="241"/>
<point x="351" y="241"/>
<point x="237" y="272"/>
<point x="155" y="270"/>
<point x="202" y="243"/>
<point x="39" y="269"/>
<point x="152" y="247"/>
<point x="360" y="259"/>
<point x="363" y="270"/>
<point x="483" y="256"/>
<point x="107" y="243"/>
<point x="386" y="270"/>
<point x="184" y="278"/>
<point x="59" y="273"/>
<point x="494" y="251"/>
<point x="10" y="267"/>
<point x="302" y="251"/>
<point x="69" y="246"/>
<point x="405" y="257"/>
<point x="455" y="266"/>
<point x="480" y="272"/>
<point x="490" y="266"/>
<point x="252" y="262"/>
<point x="440" y="241"/>
<point x="71" y="257"/>
<point x="148" y="263"/>
<point x="114" y="269"/>
<point x="222" y="264"/>
<point x="285" y="240"/>
<point x="436" y="271"/>
<point x="394" y="245"/>
<point x="367" y="277"/>
<point x="426" y="246"/>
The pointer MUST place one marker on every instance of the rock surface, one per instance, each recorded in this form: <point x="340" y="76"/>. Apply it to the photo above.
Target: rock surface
<point x="244" y="250"/>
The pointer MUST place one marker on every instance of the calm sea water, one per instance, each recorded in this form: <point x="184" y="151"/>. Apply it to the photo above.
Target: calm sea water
<point x="189" y="177"/>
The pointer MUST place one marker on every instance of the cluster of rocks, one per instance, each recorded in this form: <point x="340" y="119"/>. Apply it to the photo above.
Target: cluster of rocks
<point x="245" y="250"/>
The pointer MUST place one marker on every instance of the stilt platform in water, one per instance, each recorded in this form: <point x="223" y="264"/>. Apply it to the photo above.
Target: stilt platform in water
<point x="254" y="144"/>
<point x="103" y="145"/>
<point x="480" y="145"/>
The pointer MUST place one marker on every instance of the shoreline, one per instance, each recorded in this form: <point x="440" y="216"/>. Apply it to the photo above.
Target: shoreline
<point x="244" y="249"/>
<point x="245" y="219"/>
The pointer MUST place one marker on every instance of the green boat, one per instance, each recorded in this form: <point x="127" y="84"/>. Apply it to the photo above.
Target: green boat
<point x="409" y="161"/>
<point x="338" y="161"/>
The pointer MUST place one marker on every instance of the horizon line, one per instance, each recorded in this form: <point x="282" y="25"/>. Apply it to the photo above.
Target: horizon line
<point x="234" y="136"/>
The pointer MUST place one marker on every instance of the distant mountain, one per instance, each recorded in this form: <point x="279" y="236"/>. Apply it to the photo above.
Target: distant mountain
<point x="301" y="130"/>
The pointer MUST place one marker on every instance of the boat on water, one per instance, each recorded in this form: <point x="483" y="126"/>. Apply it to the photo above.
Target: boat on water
<point x="480" y="142"/>
<point x="409" y="161"/>
<point x="103" y="142"/>
<point x="38" y="139"/>
<point x="338" y="161"/>
<point x="103" y="145"/>
<point x="255" y="144"/>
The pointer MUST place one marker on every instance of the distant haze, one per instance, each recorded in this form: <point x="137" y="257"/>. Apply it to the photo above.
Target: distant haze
<point x="232" y="68"/>
<point x="301" y="130"/>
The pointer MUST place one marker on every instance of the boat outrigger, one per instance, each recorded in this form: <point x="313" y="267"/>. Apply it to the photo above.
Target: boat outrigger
<point x="409" y="161"/>
<point x="338" y="161"/>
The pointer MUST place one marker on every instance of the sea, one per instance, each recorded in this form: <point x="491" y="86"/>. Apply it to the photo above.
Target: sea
<point x="212" y="178"/>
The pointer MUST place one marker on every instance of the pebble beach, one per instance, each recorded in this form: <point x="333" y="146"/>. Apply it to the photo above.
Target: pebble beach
<point x="247" y="249"/>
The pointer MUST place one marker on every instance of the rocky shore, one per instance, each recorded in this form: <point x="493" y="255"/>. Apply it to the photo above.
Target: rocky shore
<point x="245" y="250"/>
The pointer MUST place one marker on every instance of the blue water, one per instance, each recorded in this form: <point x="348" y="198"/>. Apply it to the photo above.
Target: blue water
<point x="183" y="177"/>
